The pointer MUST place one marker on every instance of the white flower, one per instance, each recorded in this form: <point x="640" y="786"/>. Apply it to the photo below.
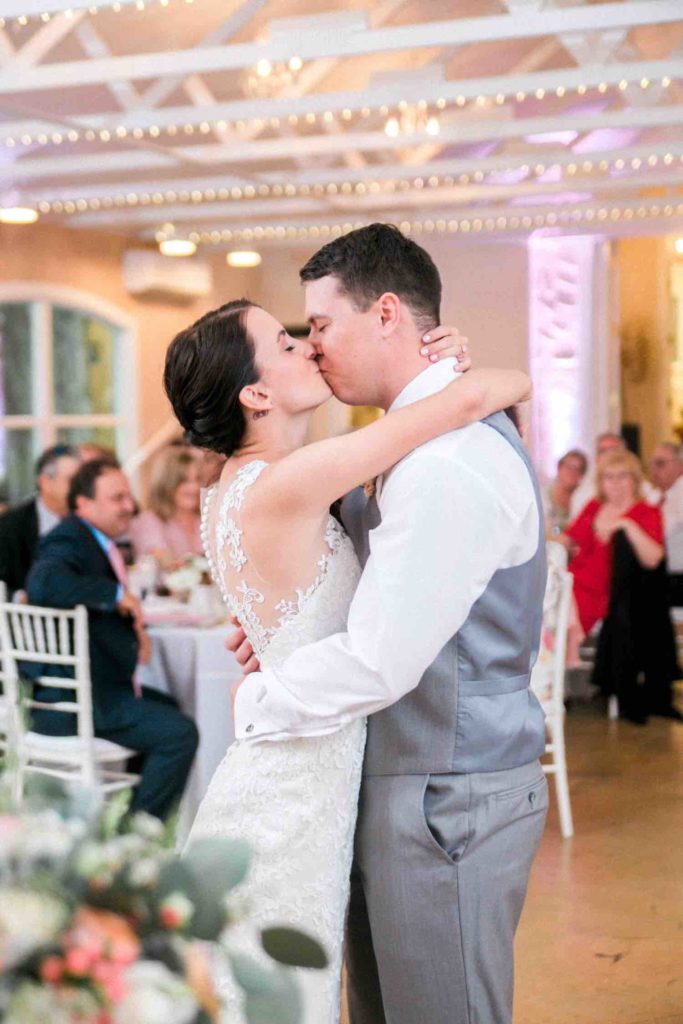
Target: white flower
<point x="31" y="1002"/>
<point x="155" y="996"/>
<point x="28" y="919"/>
<point x="147" y="826"/>
<point x="186" y="578"/>
<point x="144" y="872"/>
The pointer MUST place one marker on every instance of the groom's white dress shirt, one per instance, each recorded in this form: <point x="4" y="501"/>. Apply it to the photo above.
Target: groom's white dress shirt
<point x="453" y="512"/>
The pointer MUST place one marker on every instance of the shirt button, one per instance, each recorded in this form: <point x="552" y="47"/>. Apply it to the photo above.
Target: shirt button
<point x="250" y="728"/>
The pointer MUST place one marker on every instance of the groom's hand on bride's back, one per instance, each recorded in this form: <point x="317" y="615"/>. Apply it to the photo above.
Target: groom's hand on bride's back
<point x="238" y="645"/>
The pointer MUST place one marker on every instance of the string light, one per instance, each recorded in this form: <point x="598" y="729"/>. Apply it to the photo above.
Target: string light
<point x="388" y="186"/>
<point x="564" y="217"/>
<point x="92" y="9"/>
<point x="397" y="115"/>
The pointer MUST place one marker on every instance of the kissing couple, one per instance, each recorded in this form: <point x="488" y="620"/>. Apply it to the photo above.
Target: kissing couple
<point x="418" y="614"/>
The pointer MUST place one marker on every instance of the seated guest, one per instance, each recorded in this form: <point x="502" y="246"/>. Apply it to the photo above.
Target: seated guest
<point x="79" y="563"/>
<point x="619" y="520"/>
<point x="586" y="491"/>
<point x="666" y="474"/>
<point x="169" y="528"/>
<point x="22" y="526"/>
<point x="571" y="469"/>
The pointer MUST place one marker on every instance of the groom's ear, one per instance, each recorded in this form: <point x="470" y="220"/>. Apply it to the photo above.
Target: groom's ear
<point x="389" y="310"/>
<point x="256" y="398"/>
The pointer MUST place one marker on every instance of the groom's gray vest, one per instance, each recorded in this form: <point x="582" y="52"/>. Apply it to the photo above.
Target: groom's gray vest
<point x="473" y="710"/>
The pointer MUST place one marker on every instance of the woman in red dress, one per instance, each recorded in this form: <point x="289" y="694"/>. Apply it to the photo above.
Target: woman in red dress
<point x="619" y="506"/>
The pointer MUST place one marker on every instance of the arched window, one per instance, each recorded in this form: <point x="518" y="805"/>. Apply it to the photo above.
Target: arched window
<point x="67" y="375"/>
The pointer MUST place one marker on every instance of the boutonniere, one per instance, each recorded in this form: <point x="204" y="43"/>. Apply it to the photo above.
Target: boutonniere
<point x="370" y="487"/>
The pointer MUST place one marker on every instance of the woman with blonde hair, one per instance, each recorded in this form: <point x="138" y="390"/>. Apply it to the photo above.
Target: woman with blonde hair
<point x="618" y="506"/>
<point x="619" y="580"/>
<point x="169" y="528"/>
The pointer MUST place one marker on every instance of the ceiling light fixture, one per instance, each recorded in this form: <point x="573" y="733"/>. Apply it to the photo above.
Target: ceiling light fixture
<point x="244" y="258"/>
<point x="18" y="215"/>
<point x="177" y="247"/>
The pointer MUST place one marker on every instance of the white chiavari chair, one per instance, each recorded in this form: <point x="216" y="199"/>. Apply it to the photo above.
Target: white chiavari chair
<point x="57" y="639"/>
<point x="547" y="678"/>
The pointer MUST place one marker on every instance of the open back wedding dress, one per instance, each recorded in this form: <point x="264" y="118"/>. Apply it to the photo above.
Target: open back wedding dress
<point x="295" y="800"/>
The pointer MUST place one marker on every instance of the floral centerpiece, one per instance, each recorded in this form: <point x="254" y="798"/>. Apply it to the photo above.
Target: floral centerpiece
<point x="102" y="923"/>
<point x="185" y="576"/>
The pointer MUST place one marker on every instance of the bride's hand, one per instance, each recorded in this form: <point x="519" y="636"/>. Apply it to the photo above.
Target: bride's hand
<point x="238" y="645"/>
<point x="444" y="342"/>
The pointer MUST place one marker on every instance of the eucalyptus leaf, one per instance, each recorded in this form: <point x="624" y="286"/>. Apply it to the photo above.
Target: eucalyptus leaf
<point x="293" y="948"/>
<point x="215" y="867"/>
<point x="271" y="994"/>
<point x="224" y="860"/>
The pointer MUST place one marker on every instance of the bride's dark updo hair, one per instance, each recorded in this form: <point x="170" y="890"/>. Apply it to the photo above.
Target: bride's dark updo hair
<point x="207" y="365"/>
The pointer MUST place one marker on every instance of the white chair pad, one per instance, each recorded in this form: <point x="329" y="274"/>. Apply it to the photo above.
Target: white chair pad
<point x="71" y="748"/>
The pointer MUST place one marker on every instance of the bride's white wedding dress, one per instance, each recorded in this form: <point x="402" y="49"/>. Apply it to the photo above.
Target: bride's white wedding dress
<point x="295" y="801"/>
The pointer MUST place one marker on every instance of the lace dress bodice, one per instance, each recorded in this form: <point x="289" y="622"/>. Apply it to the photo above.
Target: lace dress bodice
<point x="310" y="613"/>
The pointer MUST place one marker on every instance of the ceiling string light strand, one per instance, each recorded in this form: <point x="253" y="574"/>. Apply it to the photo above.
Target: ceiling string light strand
<point x="403" y="117"/>
<point x="575" y="166"/>
<point x="569" y="217"/>
<point x="117" y="6"/>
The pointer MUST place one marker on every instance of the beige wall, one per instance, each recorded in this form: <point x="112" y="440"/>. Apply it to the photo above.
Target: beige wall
<point x="645" y="331"/>
<point x="91" y="262"/>
<point x="485" y="295"/>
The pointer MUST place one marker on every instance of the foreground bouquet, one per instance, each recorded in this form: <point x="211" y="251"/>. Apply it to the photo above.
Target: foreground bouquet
<point x="102" y="923"/>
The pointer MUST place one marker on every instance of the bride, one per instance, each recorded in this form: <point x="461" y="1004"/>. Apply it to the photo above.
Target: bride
<point x="242" y="387"/>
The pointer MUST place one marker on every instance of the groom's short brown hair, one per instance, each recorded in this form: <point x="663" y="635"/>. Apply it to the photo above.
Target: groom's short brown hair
<point x="377" y="259"/>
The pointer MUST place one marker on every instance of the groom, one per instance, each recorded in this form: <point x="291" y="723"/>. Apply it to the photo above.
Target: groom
<point x="442" y="635"/>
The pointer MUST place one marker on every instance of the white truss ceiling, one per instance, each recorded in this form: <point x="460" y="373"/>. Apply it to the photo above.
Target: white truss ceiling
<point x="512" y="115"/>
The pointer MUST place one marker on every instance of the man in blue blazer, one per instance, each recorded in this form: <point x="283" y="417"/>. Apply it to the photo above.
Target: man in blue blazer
<point x="79" y="563"/>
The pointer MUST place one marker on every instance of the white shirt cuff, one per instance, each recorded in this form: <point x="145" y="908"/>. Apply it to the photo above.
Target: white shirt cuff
<point x="265" y="709"/>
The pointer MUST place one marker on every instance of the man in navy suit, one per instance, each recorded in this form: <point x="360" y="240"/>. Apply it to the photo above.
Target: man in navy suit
<point x="78" y="563"/>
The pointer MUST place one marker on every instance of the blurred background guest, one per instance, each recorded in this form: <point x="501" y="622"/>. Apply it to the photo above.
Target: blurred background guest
<point x="571" y="469"/>
<point x="666" y="475"/>
<point x="169" y="527"/>
<point x="90" y="450"/>
<point x="79" y="563"/>
<point x="210" y="466"/>
<point x="617" y="546"/>
<point x="22" y="526"/>
<point x="604" y="443"/>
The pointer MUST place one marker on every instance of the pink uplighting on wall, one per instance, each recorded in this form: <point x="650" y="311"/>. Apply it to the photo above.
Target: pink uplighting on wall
<point x="561" y="282"/>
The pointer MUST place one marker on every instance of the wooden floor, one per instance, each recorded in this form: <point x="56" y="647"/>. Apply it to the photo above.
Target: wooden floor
<point x="601" y="938"/>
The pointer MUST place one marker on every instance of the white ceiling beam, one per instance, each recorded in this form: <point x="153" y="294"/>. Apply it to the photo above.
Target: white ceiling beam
<point x="197" y="214"/>
<point x="7" y="50"/>
<point x="32" y="8"/>
<point x="457" y="32"/>
<point x="446" y="212"/>
<point x="123" y="91"/>
<point x="78" y="165"/>
<point x="41" y="42"/>
<point x="159" y="91"/>
<point x="379" y="172"/>
<point x="374" y="97"/>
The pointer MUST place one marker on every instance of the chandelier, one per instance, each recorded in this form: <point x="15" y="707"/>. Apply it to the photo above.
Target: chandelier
<point x="412" y="121"/>
<point x="269" y="78"/>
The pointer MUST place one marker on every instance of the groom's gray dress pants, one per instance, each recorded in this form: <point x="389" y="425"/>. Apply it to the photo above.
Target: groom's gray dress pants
<point x="440" y="876"/>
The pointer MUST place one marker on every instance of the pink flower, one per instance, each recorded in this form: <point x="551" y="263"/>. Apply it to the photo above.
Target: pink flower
<point x="77" y="962"/>
<point x="52" y="969"/>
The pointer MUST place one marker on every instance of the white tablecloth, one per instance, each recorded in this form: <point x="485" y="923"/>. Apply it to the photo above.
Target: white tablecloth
<point x="193" y="666"/>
